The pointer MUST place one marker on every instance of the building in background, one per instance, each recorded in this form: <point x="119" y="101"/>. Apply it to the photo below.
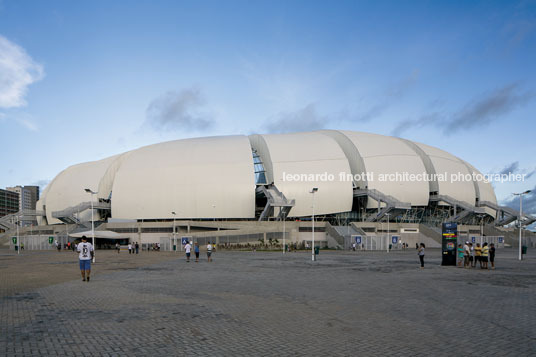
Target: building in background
<point x="9" y="202"/>
<point x="28" y="196"/>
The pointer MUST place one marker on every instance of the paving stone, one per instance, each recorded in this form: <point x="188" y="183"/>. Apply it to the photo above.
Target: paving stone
<point x="266" y="304"/>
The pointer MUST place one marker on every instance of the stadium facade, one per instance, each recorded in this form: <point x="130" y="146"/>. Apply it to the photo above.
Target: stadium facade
<point x="212" y="181"/>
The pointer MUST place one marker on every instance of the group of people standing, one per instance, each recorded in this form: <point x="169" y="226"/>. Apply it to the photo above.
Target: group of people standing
<point x="133" y="248"/>
<point x="188" y="249"/>
<point x="469" y="255"/>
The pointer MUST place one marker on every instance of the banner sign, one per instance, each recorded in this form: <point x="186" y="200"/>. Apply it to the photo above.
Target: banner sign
<point x="448" y="243"/>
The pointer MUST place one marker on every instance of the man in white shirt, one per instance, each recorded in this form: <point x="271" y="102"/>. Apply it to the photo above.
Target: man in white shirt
<point x="86" y="252"/>
<point x="188" y="248"/>
<point x="209" y="252"/>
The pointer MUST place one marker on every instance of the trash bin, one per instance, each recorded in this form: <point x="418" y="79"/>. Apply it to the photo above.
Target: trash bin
<point x="317" y="250"/>
<point x="174" y="247"/>
<point x="524" y="249"/>
<point x="16" y="248"/>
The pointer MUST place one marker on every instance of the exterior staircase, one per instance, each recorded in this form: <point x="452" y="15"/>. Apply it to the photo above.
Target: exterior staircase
<point x="393" y="207"/>
<point x="275" y="198"/>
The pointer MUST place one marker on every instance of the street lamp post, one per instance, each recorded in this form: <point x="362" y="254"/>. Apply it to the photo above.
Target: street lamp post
<point x="18" y="237"/>
<point x="174" y="234"/>
<point x="388" y="232"/>
<point x="284" y="233"/>
<point x="92" y="222"/>
<point x="520" y="216"/>
<point x="313" y="191"/>
<point x="284" y="219"/>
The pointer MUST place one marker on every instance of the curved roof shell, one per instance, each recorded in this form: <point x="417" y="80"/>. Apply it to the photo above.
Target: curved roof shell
<point x="298" y="162"/>
<point x="210" y="177"/>
<point x="68" y="188"/>
<point x="214" y="177"/>
<point x="382" y="157"/>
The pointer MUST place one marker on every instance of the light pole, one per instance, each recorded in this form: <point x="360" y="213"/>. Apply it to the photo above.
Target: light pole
<point x="520" y="216"/>
<point x="313" y="191"/>
<point x="481" y="229"/>
<point x="381" y="229"/>
<point x="18" y="238"/>
<point x="388" y="232"/>
<point x="284" y="233"/>
<point x="174" y="235"/>
<point x="92" y="222"/>
<point x="348" y="223"/>
<point x="284" y="219"/>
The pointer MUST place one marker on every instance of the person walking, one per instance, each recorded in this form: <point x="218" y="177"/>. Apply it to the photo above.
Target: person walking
<point x="137" y="246"/>
<point x="209" y="252"/>
<point x="478" y="254"/>
<point x="492" y="255"/>
<point x="484" y="257"/>
<point x="187" y="249"/>
<point x="196" y="251"/>
<point x="460" y="255"/>
<point x="117" y="247"/>
<point x="86" y="252"/>
<point x="420" y="251"/>
<point x="129" y="248"/>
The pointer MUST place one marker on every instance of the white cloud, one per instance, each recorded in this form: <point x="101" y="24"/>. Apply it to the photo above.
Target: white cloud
<point x="17" y="71"/>
<point x="305" y="119"/>
<point x="27" y="124"/>
<point x="182" y="110"/>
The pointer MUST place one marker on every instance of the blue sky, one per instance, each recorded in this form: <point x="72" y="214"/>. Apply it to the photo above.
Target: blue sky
<point x="80" y="81"/>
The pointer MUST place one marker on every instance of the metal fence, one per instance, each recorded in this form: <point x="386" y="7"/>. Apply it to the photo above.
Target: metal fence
<point x="167" y="243"/>
<point x="373" y="242"/>
<point x="38" y="242"/>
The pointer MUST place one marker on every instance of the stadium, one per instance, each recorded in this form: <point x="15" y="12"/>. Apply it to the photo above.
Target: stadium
<point x="266" y="188"/>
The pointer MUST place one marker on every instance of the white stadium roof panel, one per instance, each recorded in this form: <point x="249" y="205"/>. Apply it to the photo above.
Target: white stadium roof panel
<point x="196" y="178"/>
<point x="310" y="155"/>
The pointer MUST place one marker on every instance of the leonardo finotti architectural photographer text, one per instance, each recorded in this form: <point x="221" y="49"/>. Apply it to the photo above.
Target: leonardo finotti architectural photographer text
<point x="403" y="177"/>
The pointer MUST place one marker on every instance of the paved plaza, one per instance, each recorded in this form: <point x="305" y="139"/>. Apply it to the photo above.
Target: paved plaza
<point x="265" y="304"/>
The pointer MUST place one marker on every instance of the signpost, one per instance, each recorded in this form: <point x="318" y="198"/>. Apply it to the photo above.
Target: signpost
<point x="395" y="239"/>
<point x="357" y="239"/>
<point x="448" y="244"/>
<point x="184" y="241"/>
